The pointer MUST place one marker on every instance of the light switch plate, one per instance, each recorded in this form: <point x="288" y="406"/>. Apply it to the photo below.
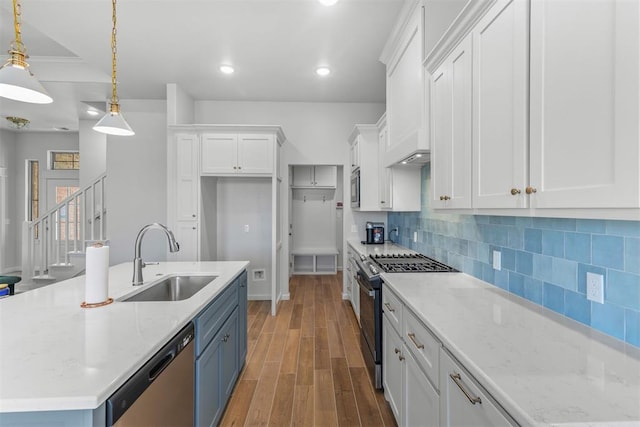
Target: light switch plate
<point x="415" y="236"/>
<point x="595" y="287"/>
<point x="497" y="260"/>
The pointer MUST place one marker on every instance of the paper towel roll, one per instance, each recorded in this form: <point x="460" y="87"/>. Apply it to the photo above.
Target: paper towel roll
<point x="97" y="277"/>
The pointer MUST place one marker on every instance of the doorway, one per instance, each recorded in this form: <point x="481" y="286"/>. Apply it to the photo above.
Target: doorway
<point x="315" y="219"/>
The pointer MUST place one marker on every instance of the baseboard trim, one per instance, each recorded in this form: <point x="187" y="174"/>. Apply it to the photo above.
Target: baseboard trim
<point x="259" y="297"/>
<point x="10" y="270"/>
<point x="285" y="297"/>
<point x="346" y="296"/>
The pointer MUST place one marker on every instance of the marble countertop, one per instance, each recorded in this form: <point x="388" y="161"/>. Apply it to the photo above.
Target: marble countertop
<point x="543" y="368"/>
<point x="55" y="355"/>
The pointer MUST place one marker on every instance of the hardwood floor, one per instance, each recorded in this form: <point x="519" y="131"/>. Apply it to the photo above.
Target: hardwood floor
<point x="304" y="366"/>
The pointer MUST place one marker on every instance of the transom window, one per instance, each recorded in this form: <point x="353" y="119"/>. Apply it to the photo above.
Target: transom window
<point x="64" y="160"/>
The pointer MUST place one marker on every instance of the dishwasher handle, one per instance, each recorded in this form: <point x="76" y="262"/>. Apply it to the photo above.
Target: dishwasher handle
<point x="159" y="367"/>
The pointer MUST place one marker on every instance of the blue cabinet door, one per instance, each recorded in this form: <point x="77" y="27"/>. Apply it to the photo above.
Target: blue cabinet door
<point x="229" y="363"/>
<point x="208" y="399"/>
<point x="242" y="319"/>
<point x="216" y="373"/>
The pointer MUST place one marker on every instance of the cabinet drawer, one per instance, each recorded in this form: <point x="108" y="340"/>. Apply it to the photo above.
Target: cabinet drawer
<point x="393" y="308"/>
<point x="423" y="345"/>
<point x="211" y="319"/>
<point x="463" y="401"/>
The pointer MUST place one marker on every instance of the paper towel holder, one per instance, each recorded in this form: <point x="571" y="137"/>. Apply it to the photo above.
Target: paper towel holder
<point x="97" y="304"/>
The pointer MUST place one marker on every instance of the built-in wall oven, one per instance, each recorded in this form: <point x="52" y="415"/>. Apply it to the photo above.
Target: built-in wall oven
<point x="370" y="284"/>
<point x="355" y="189"/>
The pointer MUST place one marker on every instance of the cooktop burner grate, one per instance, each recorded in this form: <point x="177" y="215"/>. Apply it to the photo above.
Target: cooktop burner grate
<point x="408" y="263"/>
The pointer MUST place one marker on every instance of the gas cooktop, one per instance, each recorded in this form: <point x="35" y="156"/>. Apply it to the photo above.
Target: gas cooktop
<point x="409" y="263"/>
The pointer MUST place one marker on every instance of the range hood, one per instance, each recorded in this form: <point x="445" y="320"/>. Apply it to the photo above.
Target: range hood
<point x="417" y="158"/>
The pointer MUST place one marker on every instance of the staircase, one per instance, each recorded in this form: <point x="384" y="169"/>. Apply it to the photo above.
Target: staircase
<point x="53" y="245"/>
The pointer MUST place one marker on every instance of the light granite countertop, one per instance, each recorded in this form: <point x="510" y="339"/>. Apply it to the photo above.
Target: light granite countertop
<point x="543" y="368"/>
<point x="55" y="355"/>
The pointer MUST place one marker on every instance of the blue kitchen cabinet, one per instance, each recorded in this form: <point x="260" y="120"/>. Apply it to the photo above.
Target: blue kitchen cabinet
<point x="242" y="319"/>
<point x="221" y="347"/>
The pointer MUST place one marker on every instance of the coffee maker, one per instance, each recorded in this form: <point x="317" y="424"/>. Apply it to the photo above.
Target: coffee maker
<point x="375" y="233"/>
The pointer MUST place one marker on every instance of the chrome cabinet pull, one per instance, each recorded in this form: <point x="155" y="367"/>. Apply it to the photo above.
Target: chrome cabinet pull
<point x="412" y="336"/>
<point x="458" y="380"/>
<point x="386" y="304"/>
<point x="225" y="338"/>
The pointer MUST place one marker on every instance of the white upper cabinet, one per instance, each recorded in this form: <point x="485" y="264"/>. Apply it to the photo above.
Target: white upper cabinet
<point x="354" y="154"/>
<point x="187" y="177"/>
<point x="237" y="154"/>
<point x="500" y="106"/>
<point x="451" y="129"/>
<point x="366" y="138"/>
<point x="585" y="104"/>
<point x="385" y="175"/>
<point x="308" y="176"/>
<point x="403" y="56"/>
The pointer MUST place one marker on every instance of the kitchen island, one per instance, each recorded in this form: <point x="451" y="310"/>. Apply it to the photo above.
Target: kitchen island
<point x="61" y="362"/>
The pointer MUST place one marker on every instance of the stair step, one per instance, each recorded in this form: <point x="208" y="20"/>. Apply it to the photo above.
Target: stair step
<point x="43" y="277"/>
<point x="62" y="265"/>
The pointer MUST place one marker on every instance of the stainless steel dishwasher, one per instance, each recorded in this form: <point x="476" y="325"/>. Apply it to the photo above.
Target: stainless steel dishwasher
<point x="161" y="392"/>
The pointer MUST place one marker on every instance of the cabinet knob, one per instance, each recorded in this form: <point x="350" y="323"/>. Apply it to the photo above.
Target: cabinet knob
<point x="397" y="350"/>
<point x="382" y="202"/>
<point x="515" y="191"/>
<point x="194" y="215"/>
<point x="235" y="167"/>
<point x="193" y="228"/>
<point x="530" y="190"/>
<point x="445" y="198"/>
<point x="239" y="167"/>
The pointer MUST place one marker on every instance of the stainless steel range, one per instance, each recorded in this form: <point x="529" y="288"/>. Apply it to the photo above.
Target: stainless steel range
<point x="370" y="283"/>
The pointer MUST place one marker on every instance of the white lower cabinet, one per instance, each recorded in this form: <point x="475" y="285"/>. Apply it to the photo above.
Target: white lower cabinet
<point x="187" y="236"/>
<point x="411" y="394"/>
<point x="421" y="400"/>
<point x="463" y="401"/>
<point x="392" y="368"/>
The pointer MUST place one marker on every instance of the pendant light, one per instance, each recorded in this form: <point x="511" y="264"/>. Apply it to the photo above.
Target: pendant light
<point x="16" y="81"/>
<point x="113" y="123"/>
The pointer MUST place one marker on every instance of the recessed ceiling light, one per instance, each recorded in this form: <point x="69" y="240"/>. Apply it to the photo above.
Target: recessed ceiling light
<point x="323" y="71"/>
<point x="92" y="112"/>
<point x="328" y="2"/>
<point x="226" y="69"/>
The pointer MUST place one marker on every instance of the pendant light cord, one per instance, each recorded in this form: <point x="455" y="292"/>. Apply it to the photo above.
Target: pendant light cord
<point x="114" y="50"/>
<point x="17" y="14"/>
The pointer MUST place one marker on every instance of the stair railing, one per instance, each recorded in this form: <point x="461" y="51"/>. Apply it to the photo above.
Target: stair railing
<point x="65" y="229"/>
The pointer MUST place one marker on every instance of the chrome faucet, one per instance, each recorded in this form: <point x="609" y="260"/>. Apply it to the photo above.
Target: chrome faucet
<point x="138" y="265"/>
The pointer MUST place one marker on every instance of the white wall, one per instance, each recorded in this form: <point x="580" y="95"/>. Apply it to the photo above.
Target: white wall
<point x="9" y="252"/>
<point x="245" y="202"/>
<point x="137" y="182"/>
<point x="93" y="152"/>
<point x="317" y="133"/>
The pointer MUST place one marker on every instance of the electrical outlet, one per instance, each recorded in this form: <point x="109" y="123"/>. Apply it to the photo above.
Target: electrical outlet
<point x="497" y="260"/>
<point x="415" y="236"/>
<point x="595" y="287"/>
<point x="354" y="228"/>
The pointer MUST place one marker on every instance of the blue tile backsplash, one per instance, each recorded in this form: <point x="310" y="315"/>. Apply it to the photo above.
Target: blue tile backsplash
<point x="544" y="260"/>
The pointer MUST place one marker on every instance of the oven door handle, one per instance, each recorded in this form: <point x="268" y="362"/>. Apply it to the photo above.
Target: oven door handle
<point x="370" y="292"/>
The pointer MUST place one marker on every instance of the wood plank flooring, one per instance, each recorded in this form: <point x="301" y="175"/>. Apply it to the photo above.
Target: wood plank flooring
<point x="304" y="366"/>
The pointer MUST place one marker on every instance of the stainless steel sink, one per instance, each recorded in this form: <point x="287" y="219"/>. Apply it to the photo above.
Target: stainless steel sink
<point x="174" y="288"/>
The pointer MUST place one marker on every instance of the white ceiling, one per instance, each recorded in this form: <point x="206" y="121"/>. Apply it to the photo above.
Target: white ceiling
<point x="274" y="45"/>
